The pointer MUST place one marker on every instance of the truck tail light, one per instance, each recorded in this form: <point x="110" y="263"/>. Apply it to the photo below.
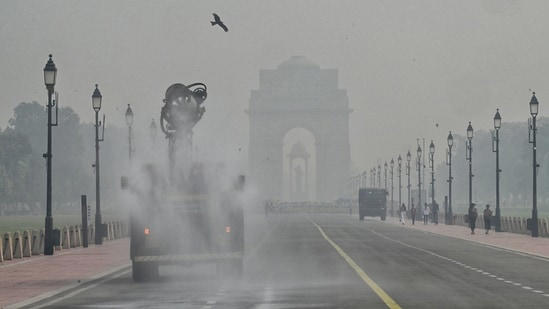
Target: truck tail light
<point x="147" y="231"/>
<point x="227" y="229"/>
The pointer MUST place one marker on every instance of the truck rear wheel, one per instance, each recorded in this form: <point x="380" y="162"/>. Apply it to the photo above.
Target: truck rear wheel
<point x="144" y="271"/>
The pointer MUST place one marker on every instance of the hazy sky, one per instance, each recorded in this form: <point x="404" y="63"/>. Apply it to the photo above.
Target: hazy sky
<point x="405" y="64"/>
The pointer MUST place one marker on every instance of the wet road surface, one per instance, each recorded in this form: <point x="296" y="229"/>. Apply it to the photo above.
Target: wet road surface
<point x="291" y="262"/>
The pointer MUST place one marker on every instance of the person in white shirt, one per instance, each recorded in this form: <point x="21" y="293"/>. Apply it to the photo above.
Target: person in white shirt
<point x="426" y="212"/>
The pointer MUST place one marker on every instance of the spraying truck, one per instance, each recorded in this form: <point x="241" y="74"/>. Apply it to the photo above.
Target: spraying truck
<point x="183" y="219"/>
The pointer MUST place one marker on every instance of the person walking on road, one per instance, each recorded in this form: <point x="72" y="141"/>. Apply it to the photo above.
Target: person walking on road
<point x="473" y="219"/>
<point x="426" y="212"/>
<point x="403" y="213"/>
<point x="413" y="214"/>
<point x="487" y="218"/>
<point x="434" y="210"/>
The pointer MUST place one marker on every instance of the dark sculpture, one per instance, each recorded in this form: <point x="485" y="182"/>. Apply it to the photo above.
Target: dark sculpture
<point x="181" y="111"/>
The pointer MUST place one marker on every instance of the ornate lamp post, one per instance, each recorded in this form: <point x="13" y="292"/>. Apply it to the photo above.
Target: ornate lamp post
<point x="419" y="163"/>
<point x="379" y="175"/>
<point x="534" y="108"/>
<point x="129" y="123"/>
<point x="399" y="160"/>
<point x="450" y="141"/>
<point x="408" y="159"/>
<point x="469" y="157"/>
<point x="432" y="166"/>
<point x="392" y="187"/>
<point x="495" y="148"/>
<point x="50" y="74"/>
<point x="96" y="105"/>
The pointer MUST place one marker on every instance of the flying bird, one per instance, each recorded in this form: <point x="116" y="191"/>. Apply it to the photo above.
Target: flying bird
<point x="217" y="21"/>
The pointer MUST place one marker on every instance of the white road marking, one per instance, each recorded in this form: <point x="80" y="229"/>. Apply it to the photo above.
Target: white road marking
<point x="211" y="302"/>
<point x="465" y="265"/>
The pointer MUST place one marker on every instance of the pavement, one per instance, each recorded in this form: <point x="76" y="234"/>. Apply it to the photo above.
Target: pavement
<point x="337" y="261"/>
<point x="30" y="279"/>
<point x="510" y="241"/>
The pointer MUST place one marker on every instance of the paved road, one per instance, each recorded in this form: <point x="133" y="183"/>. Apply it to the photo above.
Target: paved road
<point x="340" y="262"/>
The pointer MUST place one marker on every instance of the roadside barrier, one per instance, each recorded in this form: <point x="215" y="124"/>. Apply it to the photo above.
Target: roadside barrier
<point x="37" y="238"/>
<point x="91" y="234"/>
<point x="17" y="246"/>
<point x="77" y="236"/>
<point x="65" y="238"/>
<point x="30" y="243"/>
<point x="27" y="246"/>
<point x="8" y="247"/>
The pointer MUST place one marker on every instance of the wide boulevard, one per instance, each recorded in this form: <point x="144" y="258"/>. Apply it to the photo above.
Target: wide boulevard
<point x="337" y="261"/>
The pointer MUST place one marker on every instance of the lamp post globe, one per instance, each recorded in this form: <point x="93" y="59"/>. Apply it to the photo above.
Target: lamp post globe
<point x="497" y="120"/>
<point x="450" y="139"/>
<point x="50" y="73"/>
<point x="432" y="148"/>
<point x="469" y="131"/>
<point x="534" y="105"/>
<point x="408" y="156"/>
<point x="96" y="99"/>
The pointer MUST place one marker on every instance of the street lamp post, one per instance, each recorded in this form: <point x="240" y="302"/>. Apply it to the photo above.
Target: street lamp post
<point x="432" y="166"/>
<point x="379" y="175"/>
<point x="96" y="104"/>
<point x="534" y="108"/>
<point x="399" y="160"/>
<point x="419" y="163"/>
<point x="450" y="141"/>
<point x="129" y="123"/>
<point x="408" y="159"/>
<point x="363" y="180"/>
<point x="373" y="177"/>
<point x="495" y="148"/>
<point x="50" y="74"/>
<point x="392" y="185"/>
<point x="385" y="178"/>
<point x="469" y="157"/>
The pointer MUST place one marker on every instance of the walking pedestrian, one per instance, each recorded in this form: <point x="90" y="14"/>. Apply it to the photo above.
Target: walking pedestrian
<point x="487" y="218"/>
<point x="473" y="219"/>
<point x="435" y="212"/>
<point x="413" y="214"/>
<point x="403" y="213"/>
<point x="426" y="211"/>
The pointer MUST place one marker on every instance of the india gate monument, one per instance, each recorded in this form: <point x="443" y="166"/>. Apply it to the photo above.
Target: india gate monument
<point x="299" y="95"/>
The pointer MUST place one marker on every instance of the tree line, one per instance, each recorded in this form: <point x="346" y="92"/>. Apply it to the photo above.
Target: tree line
<point x="515" y="163"/>
<point x="23" y="168"/>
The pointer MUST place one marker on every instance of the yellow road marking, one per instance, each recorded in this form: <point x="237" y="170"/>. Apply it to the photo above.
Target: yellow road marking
<point x="391" y="303"/>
